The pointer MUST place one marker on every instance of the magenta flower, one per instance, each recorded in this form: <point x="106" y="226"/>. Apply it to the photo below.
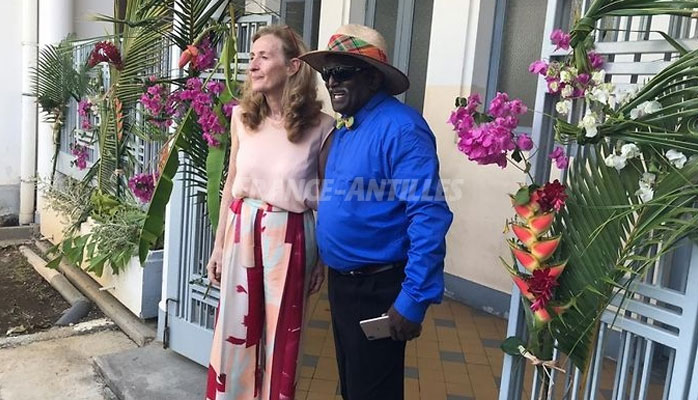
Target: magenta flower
<point x="558" y="155"/>
<point x="84" y="113"/>
<point x="498" y="105"/>
<point x="143" y="186"/>
<point x="539" y="67"/>
<point x="596" y="61"/>
<point x="560" y="39"/>
<point x="228" y="107"/>
<point x="206" y="57"/>
<point x="215" y="87"/>
<point x="80" y="153"/>
<point x="524" y="142"/>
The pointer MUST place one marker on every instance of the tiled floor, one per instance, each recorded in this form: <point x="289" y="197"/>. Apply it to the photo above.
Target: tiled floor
<point x="457" y="356"/>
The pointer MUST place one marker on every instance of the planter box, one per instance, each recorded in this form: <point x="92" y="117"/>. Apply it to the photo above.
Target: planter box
<point x="138" y="288"/>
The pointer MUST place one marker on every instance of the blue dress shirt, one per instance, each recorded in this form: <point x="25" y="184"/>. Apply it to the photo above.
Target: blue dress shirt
<point x="382" y="201"/>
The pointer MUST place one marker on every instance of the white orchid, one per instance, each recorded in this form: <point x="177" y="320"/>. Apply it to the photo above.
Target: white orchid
<point x="619" y="161"/>
<point x="566" y="76"/>
<point x="676" y="157"/>
<point x="567" y="91"/>
<point x="590" y="122"/>
<point x="603" y="94"/>
<point x="630" y="150"/>
<point x="563" y="107"/>
<point x="598" y="77"/>
<point x="616" y="161"/>
<point x="646" y="191"/>
<point x="627" y="94"/>
<point x="645" y="108"/>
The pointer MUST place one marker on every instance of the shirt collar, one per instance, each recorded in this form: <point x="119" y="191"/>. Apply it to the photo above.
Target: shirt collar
<point x="368" y="107"/>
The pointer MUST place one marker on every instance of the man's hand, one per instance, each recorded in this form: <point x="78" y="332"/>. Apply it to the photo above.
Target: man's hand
<point x="317" y="277"/>
<point x="401" y="328"/>
<point x="215" y="266"/>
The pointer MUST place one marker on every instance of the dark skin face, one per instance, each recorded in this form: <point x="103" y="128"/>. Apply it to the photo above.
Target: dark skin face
<point x="349" y="96"/>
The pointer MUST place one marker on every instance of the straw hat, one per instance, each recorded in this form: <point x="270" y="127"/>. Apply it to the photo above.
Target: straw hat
<point x="365" y="44"/>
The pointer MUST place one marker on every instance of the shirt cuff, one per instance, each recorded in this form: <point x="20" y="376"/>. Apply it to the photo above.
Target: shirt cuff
<point x="409" y="308"/>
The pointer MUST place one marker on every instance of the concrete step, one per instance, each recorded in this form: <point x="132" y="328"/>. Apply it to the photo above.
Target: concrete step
<point x="152" y="373"/>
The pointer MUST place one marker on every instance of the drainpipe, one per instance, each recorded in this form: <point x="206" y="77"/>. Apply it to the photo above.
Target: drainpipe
<point x="27" y="188"/>
<point x="55" y="24"/>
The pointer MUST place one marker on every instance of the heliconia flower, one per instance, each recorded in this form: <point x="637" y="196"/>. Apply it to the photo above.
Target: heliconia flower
<point x="551" y="196"/>
<point x="105" y="52"/>
<point x="523" y="287"/>
<point x="187" y="55"/>
<point x="525" y="235"/>
<point x="541" y="223"/>
<point x="556" y="270"/>
<point x="526" y="259"/>
<point x="524" y="211"/>
<point x="541" y="317"/>
<point x="560" y="39"/>
<point x="544" y="249"/>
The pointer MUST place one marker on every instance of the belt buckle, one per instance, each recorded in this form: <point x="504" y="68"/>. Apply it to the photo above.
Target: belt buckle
<point x="354" y="272"/>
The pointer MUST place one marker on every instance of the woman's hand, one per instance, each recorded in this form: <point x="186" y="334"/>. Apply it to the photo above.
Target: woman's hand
<point x="215" y="266"/>
<point x="317" y="277"/>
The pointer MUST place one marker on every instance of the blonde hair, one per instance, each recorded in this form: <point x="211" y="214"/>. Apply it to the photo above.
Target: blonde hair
<point x="301" y="108"/>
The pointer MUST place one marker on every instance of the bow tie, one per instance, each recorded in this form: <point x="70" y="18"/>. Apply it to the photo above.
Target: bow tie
<point x="342" y="122"/>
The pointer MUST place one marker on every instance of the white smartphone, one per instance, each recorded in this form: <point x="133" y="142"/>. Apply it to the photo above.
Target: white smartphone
<point x="376" y="328"/>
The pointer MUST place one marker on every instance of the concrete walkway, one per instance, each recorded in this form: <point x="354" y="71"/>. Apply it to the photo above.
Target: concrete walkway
<point x="59" y="369"/>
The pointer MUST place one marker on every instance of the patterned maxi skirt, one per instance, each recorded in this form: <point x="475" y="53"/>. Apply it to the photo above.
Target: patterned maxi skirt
<point x="267" y="259"/>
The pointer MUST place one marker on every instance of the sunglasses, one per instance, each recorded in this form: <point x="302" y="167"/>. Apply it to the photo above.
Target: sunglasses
<point x="340" y="73"/>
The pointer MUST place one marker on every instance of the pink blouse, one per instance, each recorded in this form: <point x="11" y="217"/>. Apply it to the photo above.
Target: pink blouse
<point x="272" y="169"/>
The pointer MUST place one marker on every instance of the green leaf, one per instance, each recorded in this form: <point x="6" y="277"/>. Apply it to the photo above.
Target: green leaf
<point x="522" y="196"/>
<point x="512" y="346"/>
<point x="53" y="264"/>
<point x="214" y="170"/>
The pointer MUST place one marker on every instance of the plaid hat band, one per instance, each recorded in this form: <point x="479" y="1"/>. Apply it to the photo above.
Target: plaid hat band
<point x="351" y="44"/>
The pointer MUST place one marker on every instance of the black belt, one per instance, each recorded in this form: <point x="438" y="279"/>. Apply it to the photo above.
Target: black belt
<point x="371" y="269"/>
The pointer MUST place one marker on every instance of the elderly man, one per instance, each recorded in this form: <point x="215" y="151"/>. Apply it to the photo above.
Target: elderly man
<point x="382" y="218"/>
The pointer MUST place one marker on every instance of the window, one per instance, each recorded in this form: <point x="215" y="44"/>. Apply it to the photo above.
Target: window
<point x="303" y="16"/>
<point x="511" y="56"/>
<point x="406" y="27"/>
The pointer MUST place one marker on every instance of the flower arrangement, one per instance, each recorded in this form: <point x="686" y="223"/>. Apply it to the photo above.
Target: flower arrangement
<point x="628" y="196"/>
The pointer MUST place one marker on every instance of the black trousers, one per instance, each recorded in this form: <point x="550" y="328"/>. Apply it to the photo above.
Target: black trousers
<point x="368" y="369"/>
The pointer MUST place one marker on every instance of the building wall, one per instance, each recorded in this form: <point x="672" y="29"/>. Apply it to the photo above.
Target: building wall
<point x="10" y="105"/>
<point x="83" y="12"/>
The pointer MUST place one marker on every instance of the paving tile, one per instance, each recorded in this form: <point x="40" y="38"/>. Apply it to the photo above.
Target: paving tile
<point x="319" y="324"/>
<point x="323" y="296"/>
<point x="309" y="360"/>
<point x="411" y="372"/>
<point x="322" y="386"/>
<point x="452" y="356"/>
<point x="492" y="343"/>
<point x="447" y="323"/>
<point x="457" y="397"/>
<point x="326" y="369"/>
<point x="460" y="388"/>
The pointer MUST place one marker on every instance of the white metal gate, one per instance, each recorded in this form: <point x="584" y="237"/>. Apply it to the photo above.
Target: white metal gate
<point x="188" y="309"/>
<point x="648" y="350"/>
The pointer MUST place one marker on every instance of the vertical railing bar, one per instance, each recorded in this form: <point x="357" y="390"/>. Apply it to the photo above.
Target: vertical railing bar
<point x="553" y="373"/>
<point x="619" y="365"/>
<point x="575" y="384"/>
<point x="669" y="373"/>
<point x="646" y="370"/>
<point x="639" y="345"/>
<point x="593" y="381"/>
<point x="536" y="386"/>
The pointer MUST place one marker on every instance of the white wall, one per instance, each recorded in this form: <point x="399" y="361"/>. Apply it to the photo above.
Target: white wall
<point x="84" y="10"/>
<point x="458" y="65"/>
<point x="10" y="105"/>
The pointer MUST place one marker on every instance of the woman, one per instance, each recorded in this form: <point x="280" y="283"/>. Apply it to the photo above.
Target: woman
<point x="264" y="256"/>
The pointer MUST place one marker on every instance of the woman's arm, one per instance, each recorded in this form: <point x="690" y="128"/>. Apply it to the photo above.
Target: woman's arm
<point x="215" y="266"/>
